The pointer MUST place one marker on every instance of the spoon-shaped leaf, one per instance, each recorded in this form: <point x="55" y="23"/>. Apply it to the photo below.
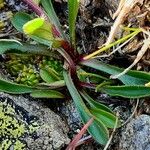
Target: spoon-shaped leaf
<point x="93" y="103"/>
<point x="10" y="87"/>
<point x="130" y="78"/>
<point x="108" y="119"/>
<point x="73" y="6"/>
<point x="46" y="94"/>
<point x="127" y="91"/>
<point x="14" y="46"/>
<point x="19" y="19"/>
<point x="97" y="129"/>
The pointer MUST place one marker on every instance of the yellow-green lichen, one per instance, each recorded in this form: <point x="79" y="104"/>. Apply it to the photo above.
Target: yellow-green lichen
<point x="18" y="145"/>
<point x="2" y="25"/>
<point x="5" y="144"/>
<point x="2" y="3"/>
<point x="13" y="126"/>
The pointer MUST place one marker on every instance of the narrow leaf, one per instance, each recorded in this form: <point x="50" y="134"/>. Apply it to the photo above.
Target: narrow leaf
<point x="130" y="78"/>
<point x="93" y="103"/>
<point x="108" y="119"/>
<point x="53" y="85"/>
<point x="127" y="91"/>
<point x="48" y="75"/>
<point x="13" y="88"/>
<point x="97" y="129"/>
<point x="48" y="6"/>
<point x="14" y="46"/>
<point x="73" y="6"/>
<point x="46" y="94"/>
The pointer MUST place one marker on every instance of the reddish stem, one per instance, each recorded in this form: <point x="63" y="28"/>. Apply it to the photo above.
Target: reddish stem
<point x="87" y="85"/>
<point x="74" y="142"/>
<point x="35" y="7"/>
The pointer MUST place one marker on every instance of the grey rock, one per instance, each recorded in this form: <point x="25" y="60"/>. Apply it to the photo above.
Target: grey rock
<point x="37" y="127"/>
<point x="136" y="135"/>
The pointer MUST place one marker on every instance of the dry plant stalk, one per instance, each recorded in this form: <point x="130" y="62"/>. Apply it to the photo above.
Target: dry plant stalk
<point x="124" y="8"/>
<point x="146" y="45"/>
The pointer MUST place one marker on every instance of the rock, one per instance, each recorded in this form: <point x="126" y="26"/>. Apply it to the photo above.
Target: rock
<point x="28" y="124"/>
<point x="69" y="111"/>
<point x="137" y="134"/>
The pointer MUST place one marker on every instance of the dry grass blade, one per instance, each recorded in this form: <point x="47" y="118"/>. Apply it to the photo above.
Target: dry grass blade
<point x="146" y="44"/>
<point x="124" y="8"/>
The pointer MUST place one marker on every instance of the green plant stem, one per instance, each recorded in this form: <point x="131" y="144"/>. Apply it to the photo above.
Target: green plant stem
<point x="111" y="45"/>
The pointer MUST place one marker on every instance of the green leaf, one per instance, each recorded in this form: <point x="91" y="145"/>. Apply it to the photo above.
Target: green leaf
<point x="31" y="26"/>
<point x="46" y="94"/>
<point x="53" y="85"/>
<point x="13" y="88"/>
<point x="14" y="46"/>
<point x="48" y="6"/>
<point x="19" y="19"/>
<point x="73" y="6"/>
<point x="127" y="91"/>
<point x="49" y="75"/>
<point x="97" y="129"/>
<point x="108" y="119"/>
<point x="86" y="76"/>
<point x="93" y="103"/>
<point x="130" y="78"/>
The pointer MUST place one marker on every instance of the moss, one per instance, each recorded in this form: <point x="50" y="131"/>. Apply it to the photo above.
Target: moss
<point x="25" y="68"/>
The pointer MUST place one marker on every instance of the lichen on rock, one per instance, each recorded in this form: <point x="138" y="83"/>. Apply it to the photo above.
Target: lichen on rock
<point x="27" y="124"/>
<point x="14" y="125"/>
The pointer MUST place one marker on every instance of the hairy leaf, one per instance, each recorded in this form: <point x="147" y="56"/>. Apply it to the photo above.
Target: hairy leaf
<point x="127" y="91"/>
<point x="97" y="129"/>
<point x="108" y="119"/>
<point x="13" y="46"/>
<point x="10" y="87"/>
<point x="46" y="94"/>
<point x="130" y="78"/>
<point x="48" y="6"/>
<point x="53" y="85"/>
<point x="73" y="6"/>
<point x="49" y="75"/>
<point x="95" y="104"/>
